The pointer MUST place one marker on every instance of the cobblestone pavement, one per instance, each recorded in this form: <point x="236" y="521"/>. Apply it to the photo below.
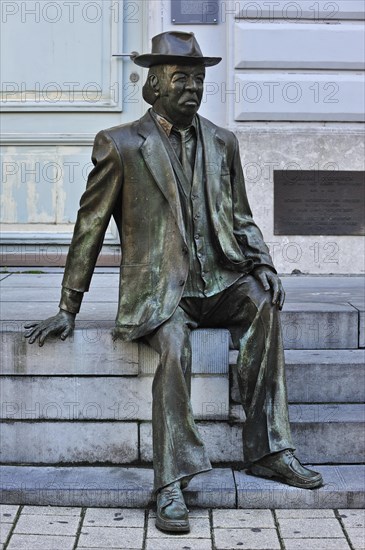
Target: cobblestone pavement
<point x="62" y="528"/>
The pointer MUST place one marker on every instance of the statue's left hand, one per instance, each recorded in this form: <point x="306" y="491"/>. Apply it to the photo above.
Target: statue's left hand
<point x="270" y="281"/>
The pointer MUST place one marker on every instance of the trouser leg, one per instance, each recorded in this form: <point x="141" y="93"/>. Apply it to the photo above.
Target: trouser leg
<point x="178" y="451"/>
<point x="261" y="376"/>
<point x="246" y="309"/>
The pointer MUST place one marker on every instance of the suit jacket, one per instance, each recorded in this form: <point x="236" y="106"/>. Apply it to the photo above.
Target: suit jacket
<point x="133" y="180"/>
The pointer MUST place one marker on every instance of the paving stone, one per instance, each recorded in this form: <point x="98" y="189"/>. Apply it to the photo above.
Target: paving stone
<point x="352" y="518"/>
<point x="304" y="514"/>
<point x="310" y="528"/>
<point x="357" y="537"/>
<point x="47" y="525"/>
<point x="199" y="528"/>
<point x="59" y="442"/>
<point x="317" y="544"/>
<point x="8" y="513"/>
<point x="111" y="537"/>
<point x="40" y="542"/>
<point x="179" y="543"/>
<point x="113" y="517"/>
<point x="243" y="519"/>
<point x="51" y="511"/>
<point x="5" y="529"/>
<point x="246" y="539"/>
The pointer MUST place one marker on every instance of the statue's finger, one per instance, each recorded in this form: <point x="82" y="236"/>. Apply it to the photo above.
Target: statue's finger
<point x="264" y="281"/>
<point x="35" y="334"/>
<point x="32" y="324"/>
<point x="66" y="333"/>
<point x="282" y="298"/>
<point x="275" y="288"/>
<point x="44" y="335"/>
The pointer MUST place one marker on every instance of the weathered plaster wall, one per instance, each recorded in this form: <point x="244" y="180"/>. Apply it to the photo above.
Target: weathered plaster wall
<point x="265" y="148"/>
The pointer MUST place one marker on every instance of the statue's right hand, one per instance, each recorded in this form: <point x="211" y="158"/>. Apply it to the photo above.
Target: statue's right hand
<point x="61" y="324"/>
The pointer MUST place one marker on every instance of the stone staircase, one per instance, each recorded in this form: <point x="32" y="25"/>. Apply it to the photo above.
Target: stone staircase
<point x="76" y="415"/>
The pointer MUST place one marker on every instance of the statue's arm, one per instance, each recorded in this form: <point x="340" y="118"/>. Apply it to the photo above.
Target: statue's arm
<point x="246" y="231"/>
<point x="96" y="208"/>
<point x="249" y="235"/>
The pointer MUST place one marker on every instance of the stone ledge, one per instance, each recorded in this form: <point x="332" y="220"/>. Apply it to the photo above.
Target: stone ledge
<point x="114" y="398"/>
<point x="91" y="350"/>
<point x="306" y="325"/>
<point x="344" y="487"/>
<point x="133" y="488"/>
<point x="318" y="376"/>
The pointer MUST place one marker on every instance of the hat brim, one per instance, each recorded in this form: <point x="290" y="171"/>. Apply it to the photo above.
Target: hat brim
<point x="151" y="59"/>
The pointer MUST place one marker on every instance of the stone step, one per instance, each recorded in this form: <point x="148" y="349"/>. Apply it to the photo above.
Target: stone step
<point x="112" y="398"/>
<point x="306" y="325"/>
<point x="133" y="487"/>
<point x="322" y="434"/>
<point x="318" y="376"/>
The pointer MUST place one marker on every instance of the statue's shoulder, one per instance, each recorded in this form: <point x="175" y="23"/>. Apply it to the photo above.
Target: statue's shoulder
<point x="222" y="134"/>
<point x="128" y="131"/>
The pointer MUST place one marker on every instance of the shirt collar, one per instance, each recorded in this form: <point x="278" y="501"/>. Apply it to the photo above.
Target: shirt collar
<point x="166" y="125"/>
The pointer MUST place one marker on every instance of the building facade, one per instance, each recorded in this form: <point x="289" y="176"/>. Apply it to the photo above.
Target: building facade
<point x="291" y="86"/>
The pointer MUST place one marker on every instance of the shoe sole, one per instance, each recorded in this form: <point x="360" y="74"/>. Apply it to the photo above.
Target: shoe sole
<point x="261" y="471"/>
<point x="173" y="525"/>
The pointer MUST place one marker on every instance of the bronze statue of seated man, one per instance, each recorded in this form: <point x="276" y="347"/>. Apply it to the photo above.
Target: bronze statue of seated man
<point x="192" y="256"/>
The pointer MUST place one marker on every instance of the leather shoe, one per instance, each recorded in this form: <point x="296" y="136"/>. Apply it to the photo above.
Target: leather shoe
<point x="172" y="513"/>
<point x="287" y="468"/>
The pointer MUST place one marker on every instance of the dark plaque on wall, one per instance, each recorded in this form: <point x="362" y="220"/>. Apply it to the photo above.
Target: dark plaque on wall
<point x="194" y="12"/>
<point x="319" y="202"/>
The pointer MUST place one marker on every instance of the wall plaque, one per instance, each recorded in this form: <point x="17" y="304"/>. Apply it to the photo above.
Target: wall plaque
<point x="194" y="12"/>
<point x="319" y="202"/>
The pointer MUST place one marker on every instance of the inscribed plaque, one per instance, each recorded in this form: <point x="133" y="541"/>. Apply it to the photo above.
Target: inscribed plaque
<point x="194" y="12"/>
<point x="319" y="202"/>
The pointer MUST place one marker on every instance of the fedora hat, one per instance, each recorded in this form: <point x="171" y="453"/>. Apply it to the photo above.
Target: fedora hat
<point x="175" y="48"/>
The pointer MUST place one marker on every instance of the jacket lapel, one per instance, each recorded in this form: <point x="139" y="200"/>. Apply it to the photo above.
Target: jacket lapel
<point x="155" y="155"/>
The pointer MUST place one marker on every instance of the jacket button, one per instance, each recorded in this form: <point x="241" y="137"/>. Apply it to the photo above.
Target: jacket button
<point x="181" y="282"/>
<point x="185" y="250"/>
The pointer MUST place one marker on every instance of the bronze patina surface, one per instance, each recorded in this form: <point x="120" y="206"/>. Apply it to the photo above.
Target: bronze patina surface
<point x="192" y="256"/>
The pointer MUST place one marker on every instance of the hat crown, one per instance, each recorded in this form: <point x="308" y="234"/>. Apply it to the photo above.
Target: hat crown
<point x="175" y="48"/>
<point x="176" y="43"/>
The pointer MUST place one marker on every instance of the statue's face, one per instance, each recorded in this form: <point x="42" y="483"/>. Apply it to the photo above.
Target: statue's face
<point x="181" y="92"/>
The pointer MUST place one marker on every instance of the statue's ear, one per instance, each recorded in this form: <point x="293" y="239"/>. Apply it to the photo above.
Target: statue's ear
<point x="154" y="83"/>
<point x="148" y="94"/>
